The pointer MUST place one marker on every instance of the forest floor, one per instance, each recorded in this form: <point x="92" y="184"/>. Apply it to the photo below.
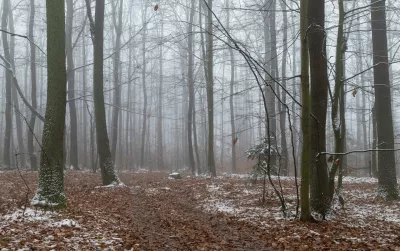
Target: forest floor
<point x="153" y="212"/>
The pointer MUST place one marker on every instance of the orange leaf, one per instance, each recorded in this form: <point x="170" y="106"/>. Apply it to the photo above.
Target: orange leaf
<point x="235" y="140"/>
<point x="354" y="92"/>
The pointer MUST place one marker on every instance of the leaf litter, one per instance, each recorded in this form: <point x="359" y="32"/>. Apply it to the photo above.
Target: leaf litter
<point x="152" y="212"/>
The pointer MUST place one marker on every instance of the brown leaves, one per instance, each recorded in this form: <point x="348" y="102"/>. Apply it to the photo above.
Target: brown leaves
<point x="354" y="92"/>
<point x="156" y="7"/>
<point x="234" y="141"/>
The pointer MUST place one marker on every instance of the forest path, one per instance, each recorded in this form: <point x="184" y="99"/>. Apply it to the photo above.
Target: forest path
<point x="153" y="212"/>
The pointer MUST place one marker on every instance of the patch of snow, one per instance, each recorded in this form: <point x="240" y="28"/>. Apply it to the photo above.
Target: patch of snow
<point x="29" y="215"/>
<point x="65" y="223"/>
<point x="113" y="185"/>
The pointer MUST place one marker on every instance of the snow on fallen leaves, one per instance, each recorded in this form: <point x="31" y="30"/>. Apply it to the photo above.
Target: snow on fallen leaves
<point x="152" y="212"/>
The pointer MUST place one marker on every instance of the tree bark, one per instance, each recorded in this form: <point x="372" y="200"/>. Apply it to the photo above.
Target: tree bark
<point x="387" y="181"/>
<point x="73" y="150"/>
<point x="319" y="102"/>
<point x="8" y="114"/>
<point x="210" y="91"/>
<point x="103" y="146"/>
<point x="191" y="89"/>
<point x="116" y="69"/>
<point x="305" y="116"/>
<point x="50" y="192"/>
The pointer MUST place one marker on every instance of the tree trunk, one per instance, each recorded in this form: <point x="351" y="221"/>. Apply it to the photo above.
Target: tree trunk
<point x="73" y="153"/>
<point x="8" y="114"/>
<point x="50" y="192"/>
<point x="32" y="120"/>
<point x="319" y="102"/>
<point x="160" y="150"/>
<point x="116" y="64"/>
<point x="285" y="154"/>
<point x="191" y="89"/>
<point x="144" y="125"/>
<point x="387" y="181"/>
<point x="210" y="91"/>
<point x="103" y="146"/>
<point x="305" y="116"/>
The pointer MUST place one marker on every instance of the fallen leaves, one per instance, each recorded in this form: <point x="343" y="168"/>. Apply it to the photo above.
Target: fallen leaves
<point x="154" y="213"/>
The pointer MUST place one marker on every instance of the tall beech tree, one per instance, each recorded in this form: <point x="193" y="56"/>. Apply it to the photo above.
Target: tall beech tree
<point x="50" y="191"/>
<point x="103" y="145"/>
<point x="387" y="182"/>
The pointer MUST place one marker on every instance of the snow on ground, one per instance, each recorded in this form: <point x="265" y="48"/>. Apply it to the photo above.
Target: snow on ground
<point x="243" y="200"/>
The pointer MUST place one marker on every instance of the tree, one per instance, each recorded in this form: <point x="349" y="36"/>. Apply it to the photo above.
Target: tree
<point x="319" y="102"/>
<point x="8" y="114"/>
<point x="232" y="83"/>
<point x="210" y="91"/>
<point x="103" y="146"/>
<point x="73" y="151"/>
<point x="31" y="129"/>
<point x="305" y="116"/>
<point x="387" y="181"/>
<point x="191" y="88"/>
<point x="50" y="191"/>
<point x="116" y="64"/>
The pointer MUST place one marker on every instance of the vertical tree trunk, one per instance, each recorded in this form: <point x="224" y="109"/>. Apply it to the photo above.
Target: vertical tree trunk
<point x="319" y="102"/>
<point x="32" y="120"/>
<point x="50" y="192"/>
<point x="160" y="150"/>
<point x="386" y="160"/>
<point x="231" y="96"/>
<point x="210" y="91"/>
<point x="8" y="114"/>
<point x="18" y="112"/>
<point x="103" y="147"/>
<point x="144" y="125"/>
<point x="116" y="64"/>
<point x="85" y="113"/>
<point x="191" y="89"/>
<point x="73" y="150"/>
<point x="285" y="154"/>
<point x="305" y="116"/>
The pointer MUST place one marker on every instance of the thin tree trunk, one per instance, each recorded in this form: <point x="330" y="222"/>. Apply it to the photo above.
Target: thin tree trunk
<point x="73" y="147"/>
<point x="8" y="114"/>
<point x="210" y="91"/>
<point x="191" y="89"/>
<point x="97" y="31"/>
<point x="144" y="125"/>
<point x="116" y="64"/>
<point x="231" y="97"/>
<point x="160" y="151"/>
<point x="32" y="120"/>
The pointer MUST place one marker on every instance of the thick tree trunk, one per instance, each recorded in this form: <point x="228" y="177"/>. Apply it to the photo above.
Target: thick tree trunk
<point x="305" y="116"/>
<point x="386" y="160"/>
<point x="50" y="192"/>
<point x="319" y="102"/>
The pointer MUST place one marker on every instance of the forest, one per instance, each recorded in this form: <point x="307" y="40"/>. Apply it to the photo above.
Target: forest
<point x="199" y="125"/>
